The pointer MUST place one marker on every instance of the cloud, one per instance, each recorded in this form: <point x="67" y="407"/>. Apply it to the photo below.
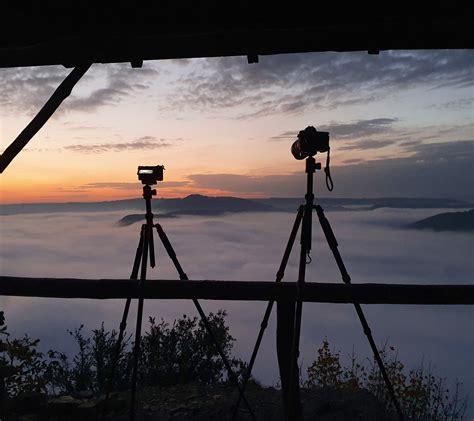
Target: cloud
<point x="290" y="134"/>
<point x="128" y="186"/>
<point x="120" y="81"/>
<point x="142" y="143"/>
<point x="359" y="128"/>
<point x="378" y="133"/>
<point x="432" y="170"/>
<point x="354" y="130"/>
<point x="352" y="161"/>
<point x="368" y="144"/>
<point x="250" y="247"/>
<point x="75" y="127"/>
<point x="27" y="89"/>
<point x="457" y="104"/>
<point x="292" y="83"/>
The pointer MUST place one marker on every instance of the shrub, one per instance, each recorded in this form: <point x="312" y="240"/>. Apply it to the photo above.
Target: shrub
<point x="179" y="353"/>
<point x="422" y="394"/>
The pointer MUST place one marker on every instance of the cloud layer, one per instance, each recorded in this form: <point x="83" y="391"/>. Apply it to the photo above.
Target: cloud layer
<point x="374" y="246"/>
<point x="286" y="84"/>
<point x="289" y="84"/>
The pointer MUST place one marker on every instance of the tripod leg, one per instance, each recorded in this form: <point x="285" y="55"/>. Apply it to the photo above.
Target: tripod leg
<point x="138" y="255"/>
<point x="123" y="323"/>
<point x="138" y="329"/>
<point x="294" y="407"/>
<point x="280" y="308"/>
<point x="170" y="251"/>
<point x="332" y="242"/>
<point x="151" y="245"/>
<point x="184" y="277"/>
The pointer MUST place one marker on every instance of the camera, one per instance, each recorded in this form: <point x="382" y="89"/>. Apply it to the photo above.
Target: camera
<point x="150" y="174"/>
<point x="309" y="143"/>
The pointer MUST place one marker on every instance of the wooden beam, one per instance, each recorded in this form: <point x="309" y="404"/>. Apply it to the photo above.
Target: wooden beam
<point x="40" y="119"/>
<point x="237" y="291"/>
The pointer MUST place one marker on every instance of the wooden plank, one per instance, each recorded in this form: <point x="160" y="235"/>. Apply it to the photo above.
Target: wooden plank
<point x="237" y="291"/>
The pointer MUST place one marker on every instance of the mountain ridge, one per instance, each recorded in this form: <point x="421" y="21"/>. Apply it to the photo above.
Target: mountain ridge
<point x="200" y="204"/>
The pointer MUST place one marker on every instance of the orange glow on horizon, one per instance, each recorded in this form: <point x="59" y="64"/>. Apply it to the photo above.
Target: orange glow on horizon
<point x="52" y="193"/>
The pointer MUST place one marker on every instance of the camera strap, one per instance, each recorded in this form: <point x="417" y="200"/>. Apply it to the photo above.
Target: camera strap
<point x="329" y="182"/>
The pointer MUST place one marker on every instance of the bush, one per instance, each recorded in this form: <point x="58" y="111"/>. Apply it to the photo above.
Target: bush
<point x="184" y="351"/>
<point x="180" y="353"/>
<point x="422" y="394"/>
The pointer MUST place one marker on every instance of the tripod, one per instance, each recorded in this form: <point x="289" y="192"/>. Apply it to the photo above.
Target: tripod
<point x="146" y="248"/>
<point x="290" y="375"/>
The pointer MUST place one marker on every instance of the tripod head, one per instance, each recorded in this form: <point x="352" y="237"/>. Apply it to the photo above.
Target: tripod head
<point x="148" y="192"/>
<point x="312" y="165"/>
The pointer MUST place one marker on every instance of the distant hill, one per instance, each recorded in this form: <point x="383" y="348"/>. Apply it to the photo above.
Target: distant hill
<point x="204" y="205"/>
<point x="197" y="204"/>
<point x="201" y="205"/>
<point x="450" y="221"/>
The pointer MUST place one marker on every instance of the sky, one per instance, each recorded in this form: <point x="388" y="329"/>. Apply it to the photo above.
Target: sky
<point x="401" y="124"/>
<point x="376" y="247"/>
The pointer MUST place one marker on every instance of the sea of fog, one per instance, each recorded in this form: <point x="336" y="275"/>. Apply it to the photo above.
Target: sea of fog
<point x="375" y="245"/>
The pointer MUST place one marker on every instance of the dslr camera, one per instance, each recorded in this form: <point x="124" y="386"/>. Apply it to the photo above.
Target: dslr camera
<point x="309" y="143"/>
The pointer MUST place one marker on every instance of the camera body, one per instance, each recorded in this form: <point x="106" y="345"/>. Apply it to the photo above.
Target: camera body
<point x="150" y="174"/>
<point x="309" y="143"/>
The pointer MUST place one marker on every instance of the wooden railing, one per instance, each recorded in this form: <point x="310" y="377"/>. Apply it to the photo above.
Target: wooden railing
<point x="368" y="293"/>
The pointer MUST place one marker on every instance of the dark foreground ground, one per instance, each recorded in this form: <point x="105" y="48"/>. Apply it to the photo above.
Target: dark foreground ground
<point x="195" y="402"/>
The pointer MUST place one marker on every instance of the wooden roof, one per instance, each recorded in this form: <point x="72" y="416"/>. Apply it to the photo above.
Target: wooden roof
<point x="52" y="32"/>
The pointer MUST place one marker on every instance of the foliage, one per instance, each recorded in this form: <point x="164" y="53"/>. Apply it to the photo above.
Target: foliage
<point x="183" y="352"/>
<point x="179" y="353"/>
<point x="24" y="364"/>
<point x="422" y="394"/>
<point x="91" y="367"/>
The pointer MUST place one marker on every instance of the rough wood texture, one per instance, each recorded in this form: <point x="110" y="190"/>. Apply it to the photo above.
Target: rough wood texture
<point x="237" y="291"/>
<point x="69" y="33"/>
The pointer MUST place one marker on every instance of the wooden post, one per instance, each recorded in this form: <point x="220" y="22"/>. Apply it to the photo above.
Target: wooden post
<point x="284" y="340"/>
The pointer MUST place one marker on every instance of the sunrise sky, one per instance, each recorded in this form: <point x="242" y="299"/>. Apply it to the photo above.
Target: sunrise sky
<point x="401" y="124"/>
